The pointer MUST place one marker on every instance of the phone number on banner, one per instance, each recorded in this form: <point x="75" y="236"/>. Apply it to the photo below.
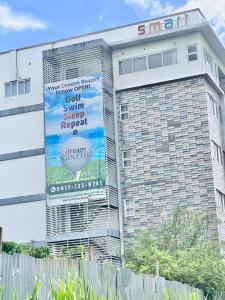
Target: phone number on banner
<point x="74" y="187"/>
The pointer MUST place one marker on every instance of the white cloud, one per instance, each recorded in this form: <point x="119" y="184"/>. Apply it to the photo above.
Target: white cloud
<point x="213" y="10"/>
<point x="10" y="20"/>
<point x="95" y="25"/>
<point x="102" y="17"/>
<point x="141" y="3"/>
<point x="154" y="8"/>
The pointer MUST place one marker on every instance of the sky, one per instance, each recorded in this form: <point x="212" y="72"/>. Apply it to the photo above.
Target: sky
<point x="29" y="22"/>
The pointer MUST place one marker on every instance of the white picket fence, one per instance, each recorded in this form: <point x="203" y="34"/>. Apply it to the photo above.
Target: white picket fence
<point x="18" y="274"/>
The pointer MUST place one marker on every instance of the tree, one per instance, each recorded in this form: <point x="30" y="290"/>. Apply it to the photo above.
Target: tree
<point x="182" y="250"/>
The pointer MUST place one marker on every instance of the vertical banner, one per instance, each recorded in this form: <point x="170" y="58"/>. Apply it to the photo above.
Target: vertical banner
<point x="74" y="140"/>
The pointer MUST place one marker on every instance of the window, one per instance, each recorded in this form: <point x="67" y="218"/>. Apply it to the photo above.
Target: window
<point x="7" y="89"/>
<point x="213" y="106"/>
<point x="217" y="153"/>
<point x="21" y="87"/>
<point x="208" y="60"/>
<point x="27" y="86"/>
<point x="18" y="87"/>
<point x="14" y="87"/>
<point x="126" y="159"/>
<point x="220" y="197"/>
<point x="162" y="59"/>
<point x="129" y="208"/>
<point x="124" y="113"/>
<point x="220" y="114"/>
<point x="216" y="71"/>
<point x="170" y="57"/>
<point x="155" y="60"/>
<point x="125" y="66"/>
<point x="192" y="52"/>
<point x="139" y="64"/>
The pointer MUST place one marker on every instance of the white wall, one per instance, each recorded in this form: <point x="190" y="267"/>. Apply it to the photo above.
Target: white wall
<point x="182" y="69"/>
<point x="21" y="177"/>
<point x="23" y="222"/>
<point x="22" y="132"/>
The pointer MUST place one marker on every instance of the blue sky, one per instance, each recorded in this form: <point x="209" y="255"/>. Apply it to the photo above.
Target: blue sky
<point x="26" y="22"/>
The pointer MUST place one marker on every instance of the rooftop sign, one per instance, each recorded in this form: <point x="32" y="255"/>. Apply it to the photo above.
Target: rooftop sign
<point x="171" y="22"/>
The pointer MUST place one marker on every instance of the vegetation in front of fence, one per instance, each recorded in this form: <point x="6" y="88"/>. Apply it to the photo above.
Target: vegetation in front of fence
<point x="26" y="249"/>
<point x="2" y="292"/>
<point x="73" y="289"/>
<point x="182" y="252"/>
<point x="170" y="294"/>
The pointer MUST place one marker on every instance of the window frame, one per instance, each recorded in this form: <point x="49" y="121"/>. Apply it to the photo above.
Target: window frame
<point x="138" y="57"/>
<point x="167" y="51"/>
<point x="214" y="107"/>
<point x="217" y="153"/>
<point x="207" y="63"/>
<point x="125" y="159"/>
<point x="220" y="197"/>
<point x="147" y="61"/>
<point x="15" y="84"/>
<point x="126" y="206"/>
<point x="155" y="53"/>
<point x="192" y="53"/>
<point x="124" y="112"/>
<point x="123" y="60"/>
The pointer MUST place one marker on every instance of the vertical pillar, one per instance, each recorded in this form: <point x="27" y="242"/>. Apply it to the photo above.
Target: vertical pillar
<point x="1" y="231"/>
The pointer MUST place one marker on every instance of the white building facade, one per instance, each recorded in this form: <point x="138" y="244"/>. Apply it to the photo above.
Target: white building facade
<point x="164" y="83"/>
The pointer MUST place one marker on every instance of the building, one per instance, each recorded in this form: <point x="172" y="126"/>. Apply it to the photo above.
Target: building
<point x="162" y="90"/>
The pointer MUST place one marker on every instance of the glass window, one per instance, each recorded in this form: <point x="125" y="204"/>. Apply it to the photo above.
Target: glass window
<point x="192" y="52"/>
<point x="220" y="197"/>
<point x="14" y="88"/>
<point x="125" y="66"/>
<point x="130" y="212"/>
<point x="17" y="87"/>
<point x="208" y="60"/>
<point x="220" y="114"/>
<point x="155" y="60"/>
<point x="213" y="106"/>
<point x="216" y="70"/>
<point x="217" y="153"/>
<point x="7" y="89"/>
<point x="21" y="87"/>
<point x="27" y="86"/>
<point x="126" y="159"/>
<point x="169" y="57"/>
<point x="139" y="64"/>
<point x="124" y="113"/>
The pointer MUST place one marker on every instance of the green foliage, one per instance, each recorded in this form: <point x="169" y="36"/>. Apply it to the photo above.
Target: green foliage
<point x="26" y="249"/>
<point x="34" y="295"/>
<point x="72" y="288"/>
<point x="170" y="294"/>
<point x="182" y="251"/>
<point x="2" y="292"/>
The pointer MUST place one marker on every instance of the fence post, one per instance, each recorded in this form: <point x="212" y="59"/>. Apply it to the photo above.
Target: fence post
<point x="90" y="253"/>
<point x="1" y="231"/>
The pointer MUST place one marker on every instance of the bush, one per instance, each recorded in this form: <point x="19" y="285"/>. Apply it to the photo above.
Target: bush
<point x="13" y="248"/>
<point x="179" y="250"/>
